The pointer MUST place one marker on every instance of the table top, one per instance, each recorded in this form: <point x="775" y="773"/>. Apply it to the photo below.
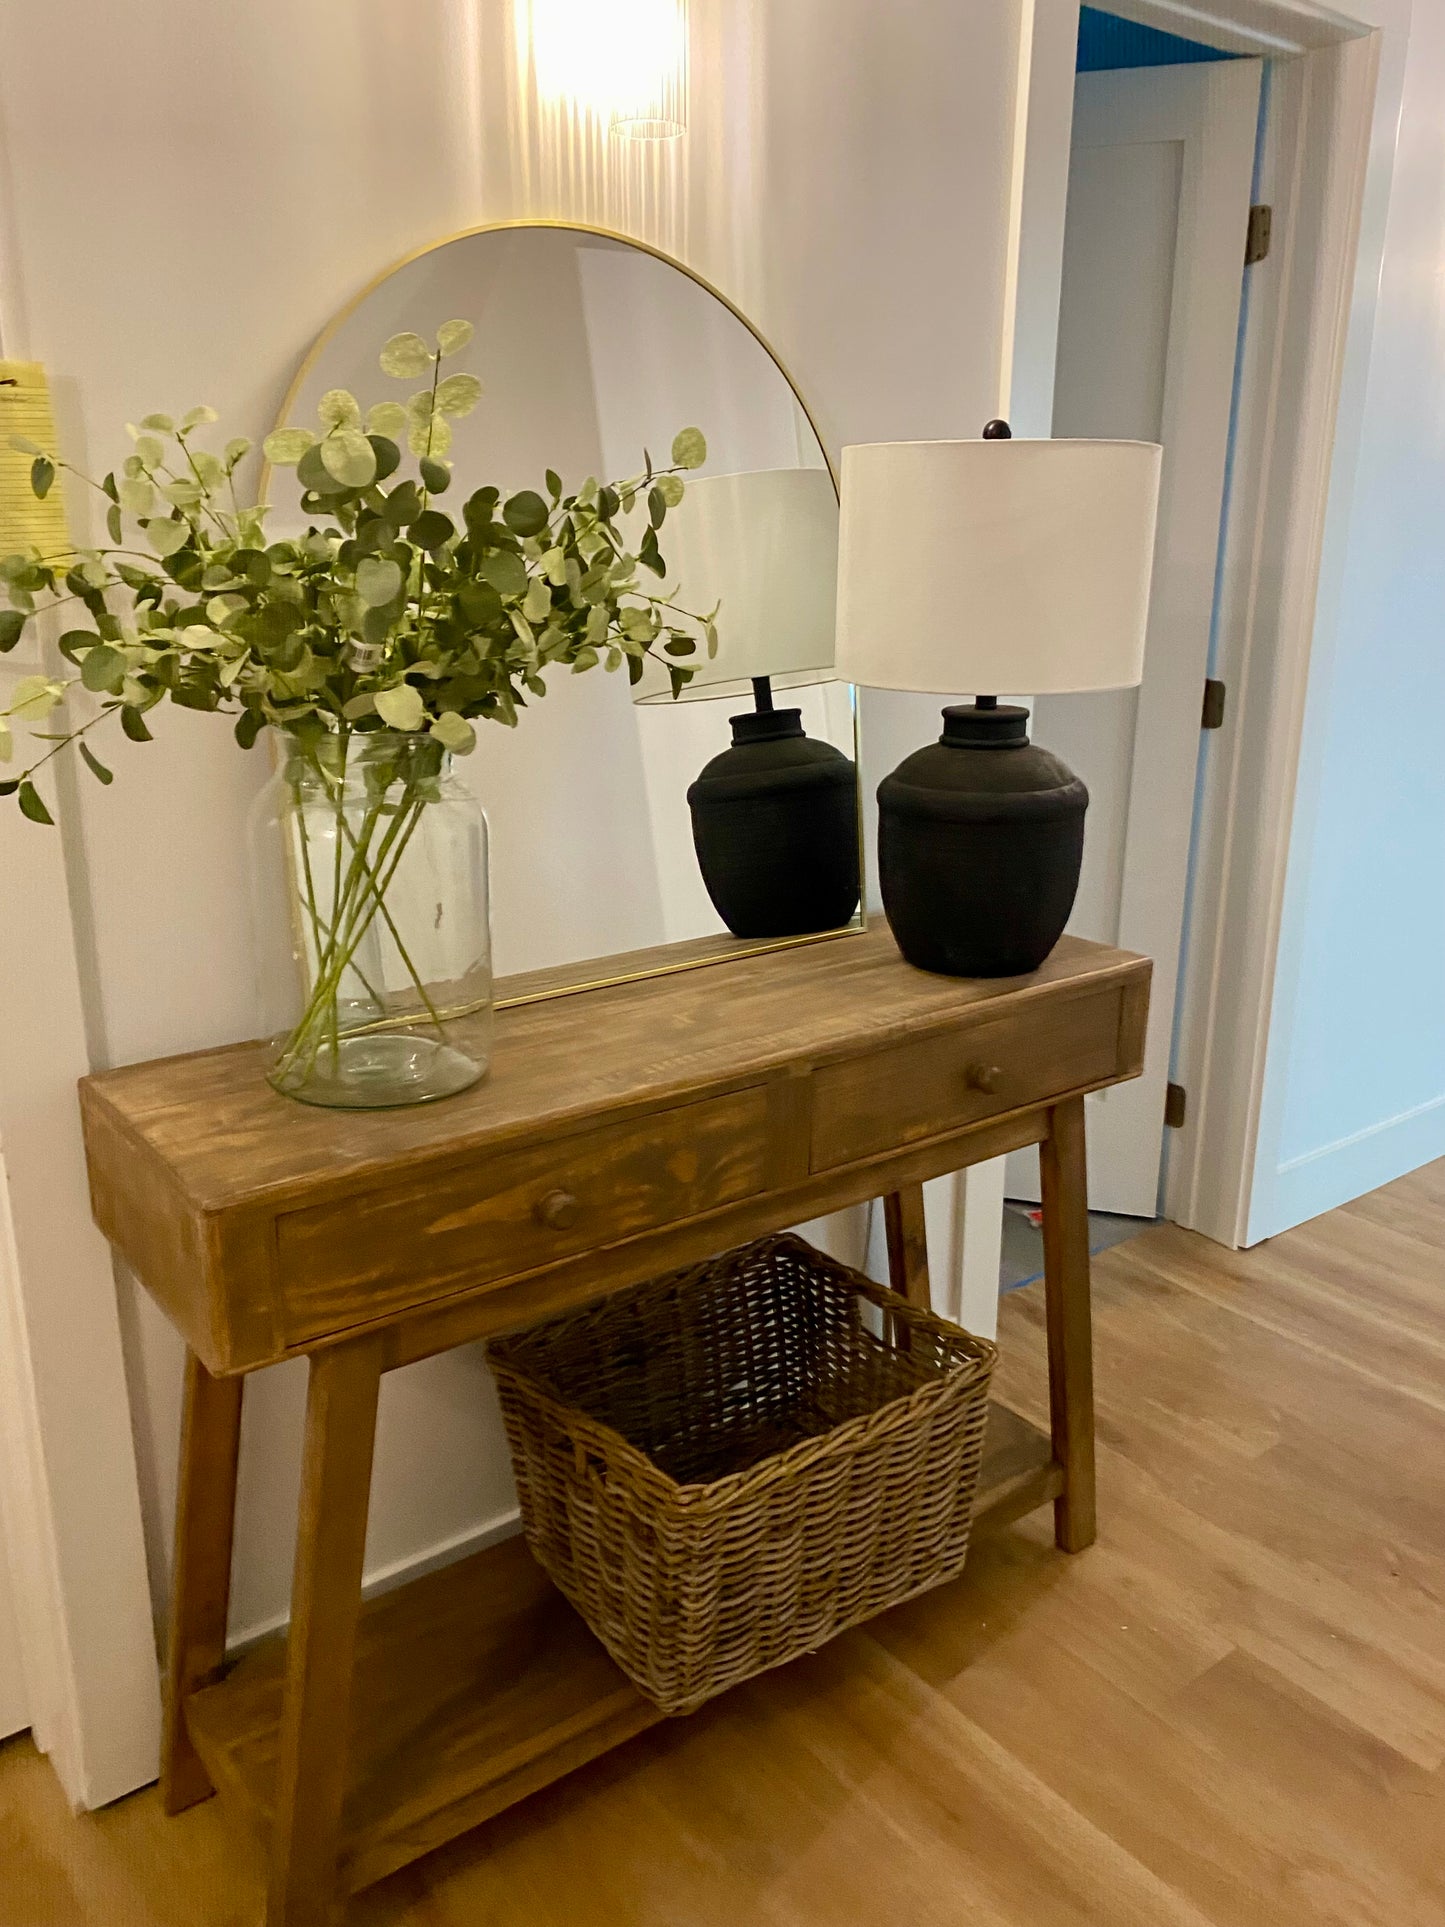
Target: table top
<point x="228" y="1139"/>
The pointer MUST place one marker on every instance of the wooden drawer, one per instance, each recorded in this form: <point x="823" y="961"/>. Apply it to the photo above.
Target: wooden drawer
<point x="873" y="1103"/>
<point x="362" y="1257"/>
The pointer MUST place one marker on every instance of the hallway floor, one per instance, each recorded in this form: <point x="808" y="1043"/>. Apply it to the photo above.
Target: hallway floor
<point x="1229" y="1713"/>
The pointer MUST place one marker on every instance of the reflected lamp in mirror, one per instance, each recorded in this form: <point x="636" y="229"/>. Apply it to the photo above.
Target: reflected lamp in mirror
<point x="1049" y="547"/>
<point x="775" y="815"/>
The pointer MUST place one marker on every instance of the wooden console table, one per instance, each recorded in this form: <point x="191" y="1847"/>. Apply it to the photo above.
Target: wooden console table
<point x="623" y="1131"/>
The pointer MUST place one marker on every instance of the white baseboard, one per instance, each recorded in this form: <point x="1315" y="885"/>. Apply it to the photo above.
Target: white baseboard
<point x="1316" y="1181"/>
<point x="445" y="1552"/>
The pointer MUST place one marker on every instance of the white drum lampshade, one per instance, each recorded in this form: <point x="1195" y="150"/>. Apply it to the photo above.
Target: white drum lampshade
<point x="764" y="544"/>
<point x="986" y="566"/>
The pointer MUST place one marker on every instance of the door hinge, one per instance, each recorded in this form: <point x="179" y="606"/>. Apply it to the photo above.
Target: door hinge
<point x="1174" y="1102"/>
<point x="1256" y="235"/>
<point x="1212" y="715"/>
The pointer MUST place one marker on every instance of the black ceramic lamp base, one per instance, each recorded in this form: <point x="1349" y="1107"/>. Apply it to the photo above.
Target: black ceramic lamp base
<point x="775" y="826"/>
<point x="980" y="842"/>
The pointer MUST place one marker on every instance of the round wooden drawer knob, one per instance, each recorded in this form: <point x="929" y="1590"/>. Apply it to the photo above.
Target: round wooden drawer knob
<point x="983" y="1077"/>
<point x="558" y="1211"/>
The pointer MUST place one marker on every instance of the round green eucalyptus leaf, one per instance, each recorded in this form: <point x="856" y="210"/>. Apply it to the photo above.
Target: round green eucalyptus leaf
<point x="315" y="476"/>
<point x="349" y="458"/>
<point x="401" y="707"/>
<point x="387" y="418"/>
<point x="378" y="580"/>
<point x="405" y="355"/>
<point x="388" y="456"/>
<point x="403" y="505"/>
<point x="149" y="451"/>
<point x="689" y="448"/>
<point x="432" y="530"/>
<point x="458" y="395"/>
<point x="454" y="732"/>
<point x="103" y="668"/>
<point x="671" y="488"/>
<point x="506" y="572"/>
<point x="166" y="535"/>
<point x="478" y="603"/>
<point x="161" y="424"/>
<point x="526" y="513"/>
<point x="339" y="408"/>
<point x="436" y="476"/>
<point x="453" y="336"/>
<point x="198" y="417"/>
<point x="285" y="446"/>
<point x="137" y="497"/>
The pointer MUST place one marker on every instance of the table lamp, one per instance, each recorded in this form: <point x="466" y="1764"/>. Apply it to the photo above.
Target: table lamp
<point x="775" y="816"/>
<point x="990" y="566"/>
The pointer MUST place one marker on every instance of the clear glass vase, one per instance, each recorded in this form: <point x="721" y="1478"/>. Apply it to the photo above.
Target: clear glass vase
<point x="369" y="860"/>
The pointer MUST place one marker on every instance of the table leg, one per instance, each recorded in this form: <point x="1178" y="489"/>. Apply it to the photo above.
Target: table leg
<point x="1066" y="1298"/>
<point x="312" y="1759"/>
<point x="201" y="1584"/>
<point x="907" y="1245"/>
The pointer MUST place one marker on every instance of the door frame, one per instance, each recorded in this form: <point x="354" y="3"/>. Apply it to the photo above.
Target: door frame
<point x="1336" y="82"/>
<point x="69" y="1489"/>
<point x="1208" y="114"/>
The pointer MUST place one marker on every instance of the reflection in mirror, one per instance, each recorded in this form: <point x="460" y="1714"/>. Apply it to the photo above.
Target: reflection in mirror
<point x="591" y="351"/>
<point x="775" y="813"/>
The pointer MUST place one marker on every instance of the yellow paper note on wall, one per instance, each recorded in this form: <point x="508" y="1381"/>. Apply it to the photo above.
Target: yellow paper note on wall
<point x="26" y="520"/>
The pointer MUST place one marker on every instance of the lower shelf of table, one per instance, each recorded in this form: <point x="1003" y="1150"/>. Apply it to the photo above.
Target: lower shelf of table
<point x="478" y="1684"/>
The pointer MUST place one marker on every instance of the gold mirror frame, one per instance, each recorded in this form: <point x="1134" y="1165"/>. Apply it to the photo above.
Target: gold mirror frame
<point x="661" y="960"/>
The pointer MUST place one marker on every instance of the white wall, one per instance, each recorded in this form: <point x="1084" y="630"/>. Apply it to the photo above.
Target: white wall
<point x="187" y="207"/>
<point x="1355" y="1076"/>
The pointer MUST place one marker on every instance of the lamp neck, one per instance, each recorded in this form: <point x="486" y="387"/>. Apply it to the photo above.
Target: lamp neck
<point x="985" y="724"/>
<point x="766" y="725"/>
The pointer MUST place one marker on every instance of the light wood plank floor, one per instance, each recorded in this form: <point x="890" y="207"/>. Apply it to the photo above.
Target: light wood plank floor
<point x="1230" y="1713"/>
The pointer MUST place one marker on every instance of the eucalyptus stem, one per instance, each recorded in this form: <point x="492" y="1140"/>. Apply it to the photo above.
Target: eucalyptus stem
<point x="333" y="963"/>
<point x="313" y="909"/>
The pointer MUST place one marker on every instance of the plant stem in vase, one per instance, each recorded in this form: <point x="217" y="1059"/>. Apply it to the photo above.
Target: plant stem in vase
<point x="383" y="853"/>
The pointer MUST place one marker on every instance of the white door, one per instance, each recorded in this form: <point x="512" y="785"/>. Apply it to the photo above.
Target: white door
<point x="1159" y="193"/>
<point x="13" y="1715"/>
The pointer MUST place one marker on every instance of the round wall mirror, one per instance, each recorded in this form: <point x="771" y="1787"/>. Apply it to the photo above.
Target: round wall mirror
<point x="632" y="833"/>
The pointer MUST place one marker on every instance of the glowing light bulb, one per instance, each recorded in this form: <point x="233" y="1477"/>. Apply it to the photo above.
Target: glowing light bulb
<point x="623" y="60"/>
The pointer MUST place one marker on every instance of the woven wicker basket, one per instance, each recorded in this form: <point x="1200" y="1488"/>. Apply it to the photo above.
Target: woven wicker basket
<point x="724" y="1468"/>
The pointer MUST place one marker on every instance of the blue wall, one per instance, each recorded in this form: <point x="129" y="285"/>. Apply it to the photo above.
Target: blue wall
<point x="1107" y="42"/>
